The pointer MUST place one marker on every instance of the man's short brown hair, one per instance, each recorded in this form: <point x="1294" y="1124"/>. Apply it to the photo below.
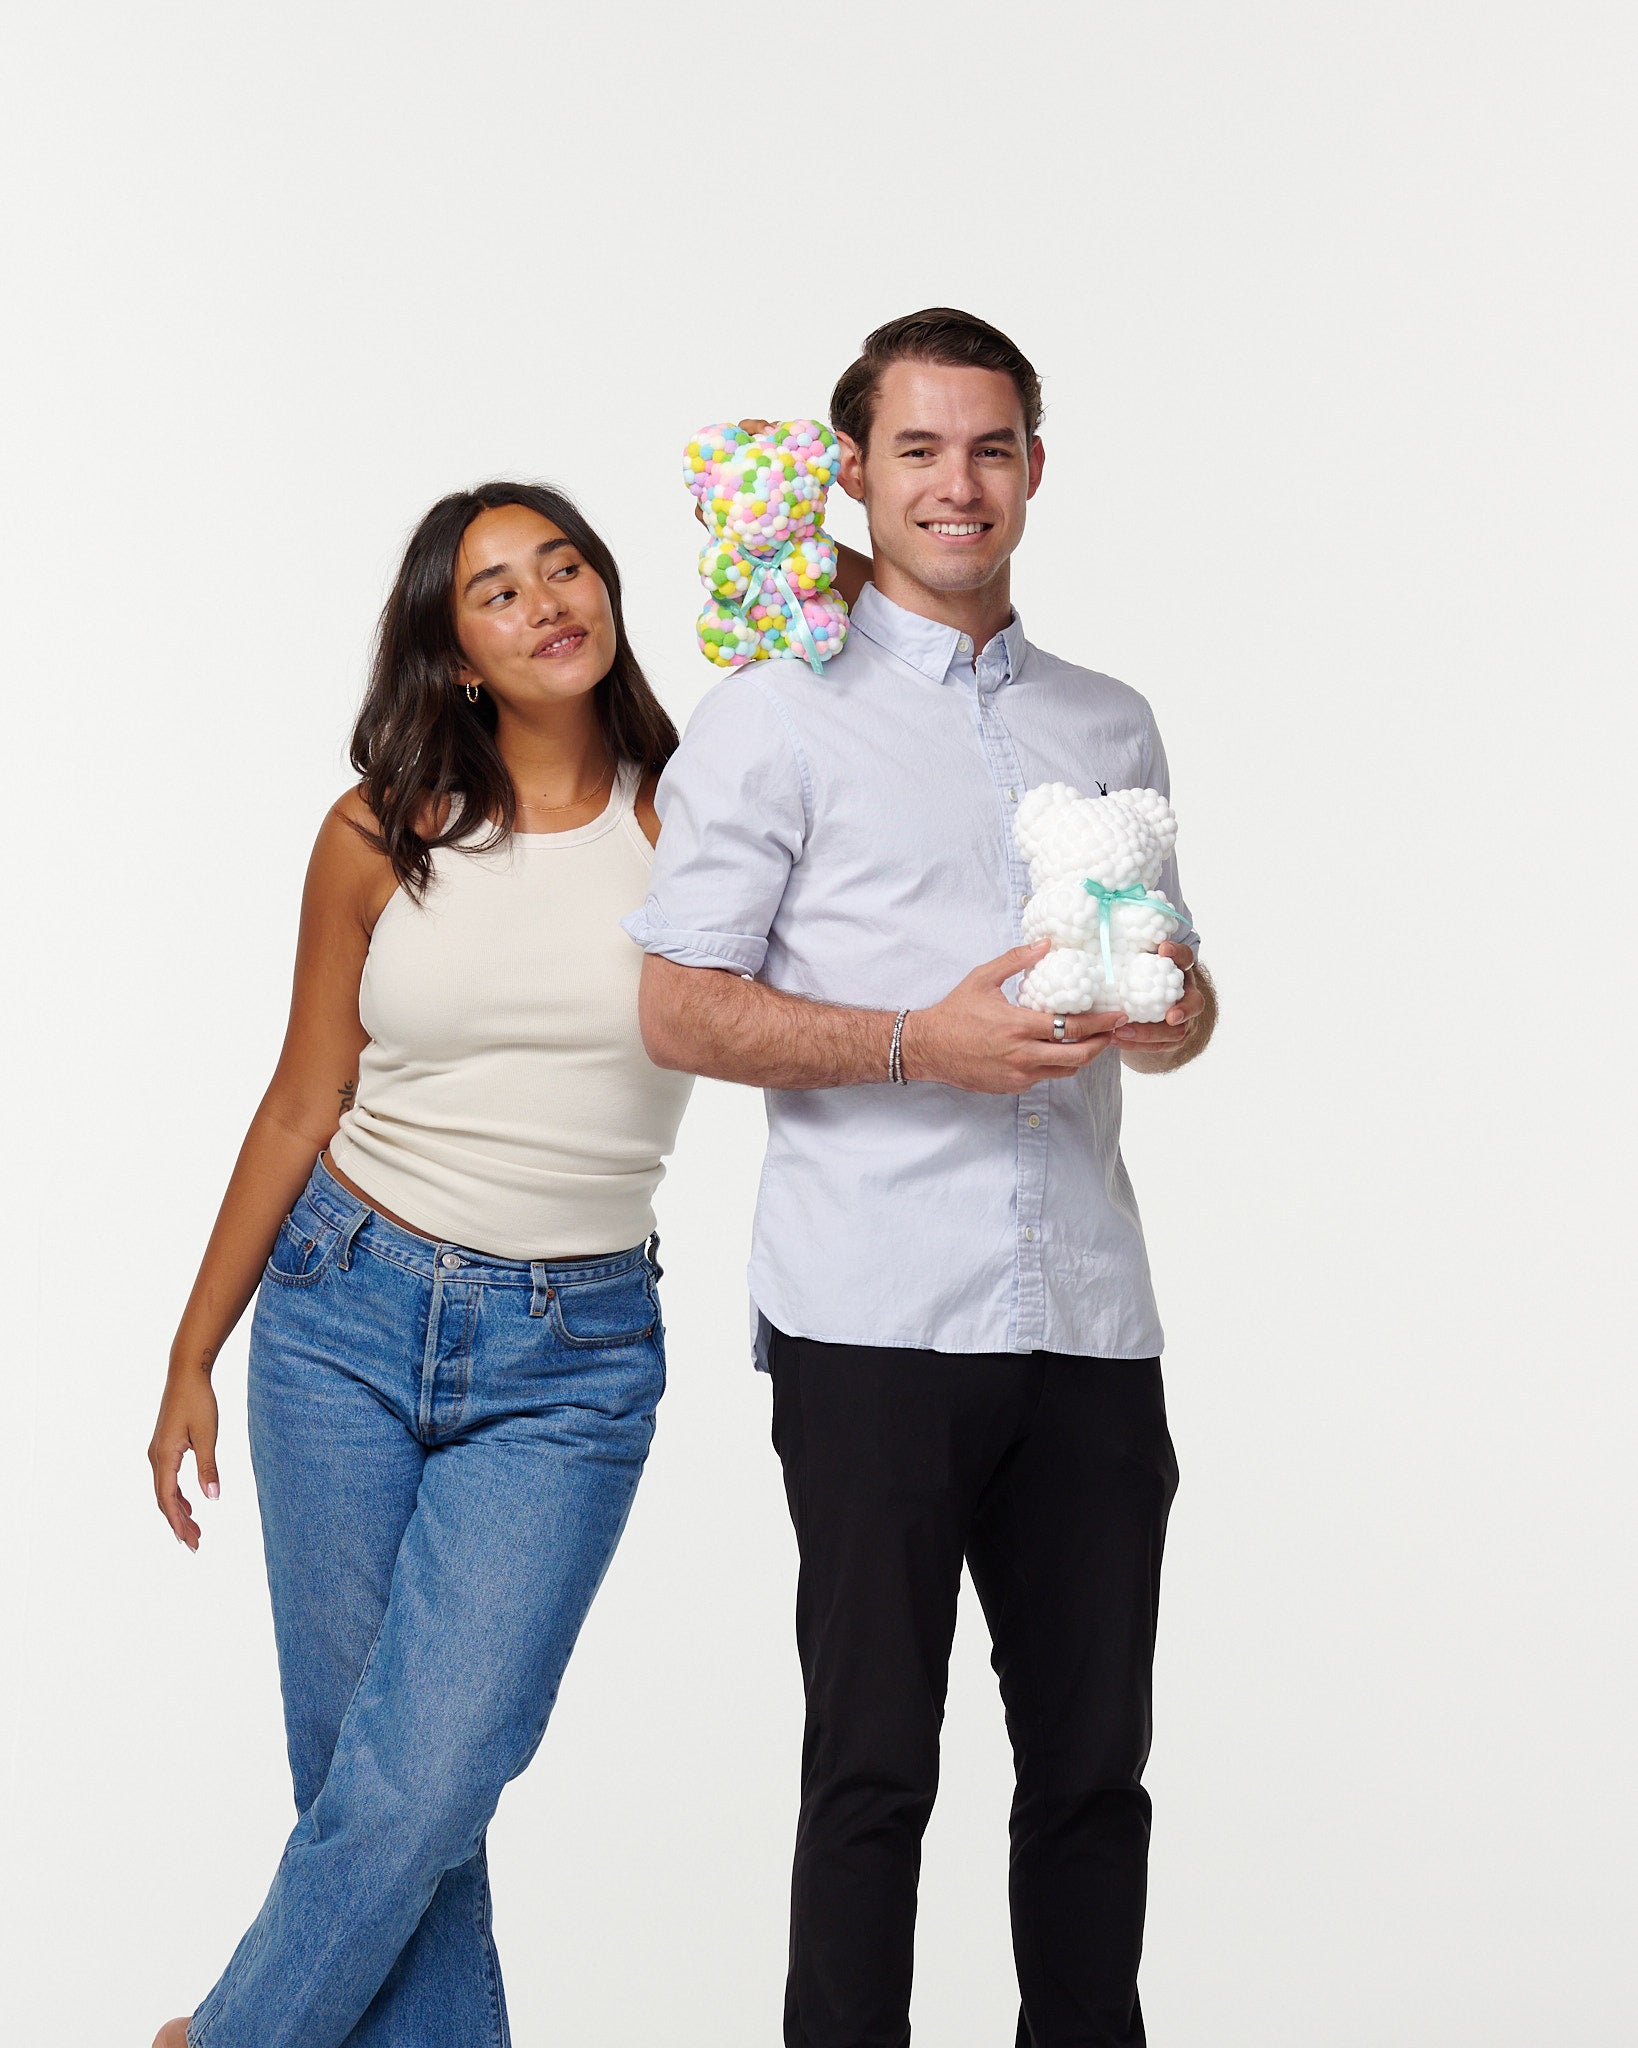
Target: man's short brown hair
<point x="938" y="334"/>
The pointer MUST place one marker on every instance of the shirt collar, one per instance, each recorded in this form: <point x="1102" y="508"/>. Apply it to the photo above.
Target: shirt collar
<point x="931" y="648"/>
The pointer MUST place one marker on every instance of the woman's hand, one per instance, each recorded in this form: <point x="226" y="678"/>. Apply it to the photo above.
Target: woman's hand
<point x="187" y="1422"/>
<point x="348" y="883"/>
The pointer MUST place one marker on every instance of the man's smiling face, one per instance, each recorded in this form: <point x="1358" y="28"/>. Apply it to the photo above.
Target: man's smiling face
<point x="945" y="477"/>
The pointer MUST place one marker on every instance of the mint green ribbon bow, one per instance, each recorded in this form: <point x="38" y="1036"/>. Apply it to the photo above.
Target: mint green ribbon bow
<point x="1107" y="897"/>
<point x="774" y="569"/>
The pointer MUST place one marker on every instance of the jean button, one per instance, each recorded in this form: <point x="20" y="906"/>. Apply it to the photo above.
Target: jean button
<point x="451" y="1261"/>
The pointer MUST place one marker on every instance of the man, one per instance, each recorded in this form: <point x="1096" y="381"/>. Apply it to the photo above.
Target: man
<point x="948" y="1271"/>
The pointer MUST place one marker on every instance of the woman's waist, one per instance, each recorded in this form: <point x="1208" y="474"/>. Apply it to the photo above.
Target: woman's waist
<point x="520" y="1140"/>
<point x="358" y="1211"/>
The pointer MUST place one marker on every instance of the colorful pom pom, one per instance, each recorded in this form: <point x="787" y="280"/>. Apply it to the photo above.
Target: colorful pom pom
<point x="770" y="569"/>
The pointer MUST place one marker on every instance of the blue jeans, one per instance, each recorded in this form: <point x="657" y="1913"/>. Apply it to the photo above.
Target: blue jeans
<point x="446" y="1448"/>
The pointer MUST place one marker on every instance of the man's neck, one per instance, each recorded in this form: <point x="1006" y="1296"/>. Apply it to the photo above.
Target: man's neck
<point x="980" y="614"/>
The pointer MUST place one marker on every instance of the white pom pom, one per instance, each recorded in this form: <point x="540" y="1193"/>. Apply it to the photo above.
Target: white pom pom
<point x="1149" y="987"/>
<point x="1033" y="811"/>
<point x="1119" y="841"/>
<point x="1067" y="982"/>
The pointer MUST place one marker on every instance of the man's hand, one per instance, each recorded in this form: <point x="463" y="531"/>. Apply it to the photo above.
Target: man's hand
<point x="977" y="1040"/>
<point x="707" y="1020"/>
<point x="1159" y="1048"/>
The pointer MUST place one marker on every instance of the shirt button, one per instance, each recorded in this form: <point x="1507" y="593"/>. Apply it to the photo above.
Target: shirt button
<point x="1029" y="1234"/>
<point x="450" y="1260"/>
<point x="965" y="644"/>
<point x="1023" y="899"/>
<point x="1035" y="1123"/>
<point x="1012" y="796"/>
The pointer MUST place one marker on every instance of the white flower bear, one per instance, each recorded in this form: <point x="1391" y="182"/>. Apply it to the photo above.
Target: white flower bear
<point x="1093" y="864"/>
<point x="770" y="568"/>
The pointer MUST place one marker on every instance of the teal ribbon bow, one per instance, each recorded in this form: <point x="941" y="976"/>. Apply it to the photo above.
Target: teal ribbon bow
<point x="1135" y="894"/>
<point x="774" y="569"/>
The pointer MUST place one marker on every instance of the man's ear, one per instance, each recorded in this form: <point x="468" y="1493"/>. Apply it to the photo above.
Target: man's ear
<point x="851" y="473"/>
<point x="1037" y="462"/>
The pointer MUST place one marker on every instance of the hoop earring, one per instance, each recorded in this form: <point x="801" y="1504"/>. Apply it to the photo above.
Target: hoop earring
<point x="472" y="693"/>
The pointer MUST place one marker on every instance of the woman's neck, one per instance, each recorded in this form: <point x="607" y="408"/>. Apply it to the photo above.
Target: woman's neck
<point x="559" y="763"/>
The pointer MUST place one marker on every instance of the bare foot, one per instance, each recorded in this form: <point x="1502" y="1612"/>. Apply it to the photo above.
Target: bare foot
<point x="173" y="2034"/>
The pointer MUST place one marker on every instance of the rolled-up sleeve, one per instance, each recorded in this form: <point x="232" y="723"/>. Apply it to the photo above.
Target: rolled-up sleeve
<point x="1158" y="776"/>
<point x="733" y="818"/>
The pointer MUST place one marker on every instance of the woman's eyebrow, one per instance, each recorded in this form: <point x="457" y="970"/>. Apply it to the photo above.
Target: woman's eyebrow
<point x="546" y="547"/>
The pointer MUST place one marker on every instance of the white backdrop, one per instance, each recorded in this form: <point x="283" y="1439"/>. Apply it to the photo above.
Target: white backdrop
<point x="1334" y="306"/>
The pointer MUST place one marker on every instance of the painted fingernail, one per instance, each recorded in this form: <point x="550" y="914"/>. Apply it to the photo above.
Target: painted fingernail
<point x="212" y="1490"/>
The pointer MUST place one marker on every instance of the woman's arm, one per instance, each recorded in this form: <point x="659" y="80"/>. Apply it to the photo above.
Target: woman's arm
<point x="852" y="573"/>
<point x="348" y="885"/>
<point x="647" y="817"/>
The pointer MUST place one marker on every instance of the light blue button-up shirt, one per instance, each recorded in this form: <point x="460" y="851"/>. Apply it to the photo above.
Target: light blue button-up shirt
<point x="848" y="837"/>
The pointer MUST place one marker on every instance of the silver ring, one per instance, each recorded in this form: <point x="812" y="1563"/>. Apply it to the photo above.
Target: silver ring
<point x="1060" y="1030"/>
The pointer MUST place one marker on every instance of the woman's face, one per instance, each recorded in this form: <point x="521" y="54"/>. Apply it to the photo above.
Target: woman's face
<point x="532" y="616"/>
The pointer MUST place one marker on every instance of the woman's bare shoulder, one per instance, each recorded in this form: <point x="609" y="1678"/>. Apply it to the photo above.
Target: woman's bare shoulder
<point x="352" y="813"/>
<point x="353" y="808"/>
<point x="647" y="816"/>
<point x="351" y="833"/>
<point x="350" y="862"/>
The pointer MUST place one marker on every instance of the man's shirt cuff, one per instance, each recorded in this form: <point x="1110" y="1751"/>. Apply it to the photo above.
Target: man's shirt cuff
<point x="732" y="950"/>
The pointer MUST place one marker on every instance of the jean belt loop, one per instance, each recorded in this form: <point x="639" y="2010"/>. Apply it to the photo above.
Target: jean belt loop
<point x="653" y="1249"/>
<point x="349" y="1234"/>
<point x="540" y="1293"/>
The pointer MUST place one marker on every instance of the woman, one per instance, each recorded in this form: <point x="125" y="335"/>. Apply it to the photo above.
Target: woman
<point x="457" y="1349"/>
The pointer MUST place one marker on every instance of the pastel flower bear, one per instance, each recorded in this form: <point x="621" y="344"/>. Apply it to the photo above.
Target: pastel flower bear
<point x="769" y="568"/>
<point x="1093" y="865"/>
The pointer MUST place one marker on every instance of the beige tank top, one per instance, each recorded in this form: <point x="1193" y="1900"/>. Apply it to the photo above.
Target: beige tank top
<point x="504" y="1100"/>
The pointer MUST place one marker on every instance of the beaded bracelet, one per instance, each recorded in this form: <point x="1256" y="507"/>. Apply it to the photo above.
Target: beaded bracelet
<point x="895" y="1063"/>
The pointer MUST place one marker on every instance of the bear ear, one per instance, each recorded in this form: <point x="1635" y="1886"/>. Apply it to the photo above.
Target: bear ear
<point x="1034" y="808"/>
<point x="1048" y="796"/>
<point x="703" y="457"/>
<point x="1156" y="813"/>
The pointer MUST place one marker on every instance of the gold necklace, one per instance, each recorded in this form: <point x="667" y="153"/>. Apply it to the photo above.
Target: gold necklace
<point x="551" y="810"/>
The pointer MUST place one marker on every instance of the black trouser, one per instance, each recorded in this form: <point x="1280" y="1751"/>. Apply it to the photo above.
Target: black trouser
<point x="1051" y="1476"/>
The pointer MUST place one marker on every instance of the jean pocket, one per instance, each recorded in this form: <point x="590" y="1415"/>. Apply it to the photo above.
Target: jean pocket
<point x="621" y="1308"/>
<point x="303" y="1249"/>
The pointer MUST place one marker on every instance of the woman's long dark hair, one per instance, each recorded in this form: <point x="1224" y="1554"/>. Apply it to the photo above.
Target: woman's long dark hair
<point x="422" y="751"/>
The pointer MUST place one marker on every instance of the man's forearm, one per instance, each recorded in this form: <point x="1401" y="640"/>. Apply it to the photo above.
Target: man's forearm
<point x="712" y="1021"/>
